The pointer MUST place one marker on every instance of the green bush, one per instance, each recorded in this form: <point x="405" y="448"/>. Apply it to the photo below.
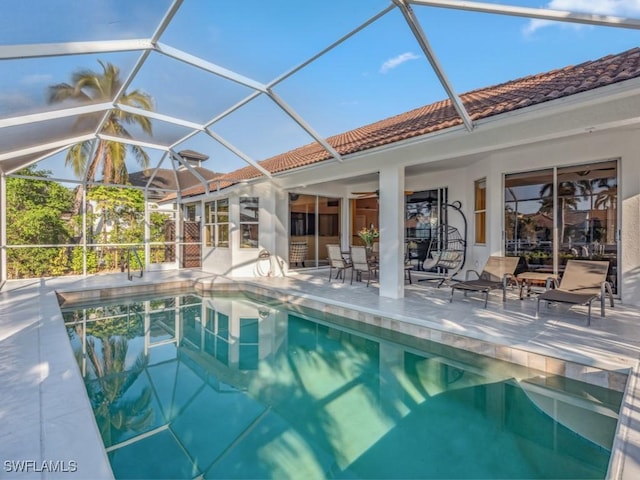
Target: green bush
<point x="76" y="260"/>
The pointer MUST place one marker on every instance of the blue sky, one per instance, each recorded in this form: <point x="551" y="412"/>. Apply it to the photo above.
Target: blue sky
<point x="378" y="73"/>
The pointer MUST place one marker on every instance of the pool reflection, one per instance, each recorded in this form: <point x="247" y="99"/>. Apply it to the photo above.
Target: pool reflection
<point x="239" y="387"/>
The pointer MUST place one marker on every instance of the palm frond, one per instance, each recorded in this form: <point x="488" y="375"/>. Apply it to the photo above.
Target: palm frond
<point x="63" y="91"/>
<point x="141" y="156"/>
<point x="77" y="157"/>
<point x="90" y="86"/>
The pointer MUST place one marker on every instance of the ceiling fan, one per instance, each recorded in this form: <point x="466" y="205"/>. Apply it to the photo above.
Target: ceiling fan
<point x="375" y="194"/>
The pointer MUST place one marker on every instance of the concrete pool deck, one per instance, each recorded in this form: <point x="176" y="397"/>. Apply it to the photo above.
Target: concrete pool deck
<point x="45" y="416"/>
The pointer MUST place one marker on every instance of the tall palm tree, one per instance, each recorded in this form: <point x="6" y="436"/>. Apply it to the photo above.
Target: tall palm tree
<point x="566" y="198"/>
<point x="116" y="411"/>
<point x="109" y="375"/>
<point x="607" y="198"/>
<point x="88" y="86"/>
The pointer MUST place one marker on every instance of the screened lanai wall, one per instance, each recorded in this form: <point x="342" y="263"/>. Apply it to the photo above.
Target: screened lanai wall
<point x="246" y="83"/>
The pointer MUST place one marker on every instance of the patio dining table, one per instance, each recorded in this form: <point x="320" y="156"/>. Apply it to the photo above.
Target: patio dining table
<point x="526" y="280"/>
<point x="374" y="259"/>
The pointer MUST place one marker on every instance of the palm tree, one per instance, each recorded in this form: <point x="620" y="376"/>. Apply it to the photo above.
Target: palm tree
<point x="607" y="198"/>
<point x="566" y="198"/>
<point x="88" y="86"/>
<point x="116" y="412"/>
<point x="588" y="189"/>
<point x="108" y="379"/>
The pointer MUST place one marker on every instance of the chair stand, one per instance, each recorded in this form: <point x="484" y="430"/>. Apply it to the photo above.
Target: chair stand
<point x="339" y="273"/>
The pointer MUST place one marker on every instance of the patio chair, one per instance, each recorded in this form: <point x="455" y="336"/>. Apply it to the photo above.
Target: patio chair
<point x="582" y="282"/>
<point x="497" y="273"/>
<point x="362" y="263"/>
<point x="298" y="252"/>
<point x="336" y="260"/>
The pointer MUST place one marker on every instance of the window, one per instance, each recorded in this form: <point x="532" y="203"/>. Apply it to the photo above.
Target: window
<point x="314" y="223"/>
<point x="480" y="210"/>
<point x="529" y="216"/>
<point x="191" y="320"/>
<point x="424" y="211"/>
<point x="216" y="338"/>
<point x="217" y="223"/>
<point x="190" y="212"/>
<point x="249" y="211"/>
<point x="249" y="347"/>
<point x="563" y="213"/>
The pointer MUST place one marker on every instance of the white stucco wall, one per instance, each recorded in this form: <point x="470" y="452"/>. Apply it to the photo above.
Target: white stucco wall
<point x="595" y="147"/>
<point x="243" y="262"/>
<point x="574" y="131"/>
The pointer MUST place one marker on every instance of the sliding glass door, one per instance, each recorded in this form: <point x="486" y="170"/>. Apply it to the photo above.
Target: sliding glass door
<point x="425" y="212"/>
<point x="314" y="223"/>
<point x="529" y="217"/>
<point x="555" y="215"/>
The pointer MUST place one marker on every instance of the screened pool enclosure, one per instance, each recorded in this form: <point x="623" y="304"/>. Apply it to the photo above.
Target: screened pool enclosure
<point x="107" y="107"/>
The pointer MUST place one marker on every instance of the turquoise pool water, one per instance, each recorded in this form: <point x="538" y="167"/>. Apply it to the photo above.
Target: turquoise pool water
<point x="238" y="387"/>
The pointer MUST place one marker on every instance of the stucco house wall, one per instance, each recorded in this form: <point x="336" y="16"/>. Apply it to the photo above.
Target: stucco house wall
<point x="243" y="262"/>
<point x="622" y="144"/>
<point x="589" y="127"/>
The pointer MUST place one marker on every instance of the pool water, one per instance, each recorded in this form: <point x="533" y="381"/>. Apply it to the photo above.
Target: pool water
<point x="238" y="387"/>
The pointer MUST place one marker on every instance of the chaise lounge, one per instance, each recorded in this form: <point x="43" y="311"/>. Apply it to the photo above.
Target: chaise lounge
<point x="582" y="282"/>
<point x="497" y="273"/>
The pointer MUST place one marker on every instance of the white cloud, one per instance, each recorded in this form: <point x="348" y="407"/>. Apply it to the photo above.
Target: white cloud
<point x="36" y="79"/>
<point x="397" y="61"/>
<point x="620" y="8"/>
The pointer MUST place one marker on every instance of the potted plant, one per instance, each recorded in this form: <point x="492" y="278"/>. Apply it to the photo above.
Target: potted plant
<point x="368" y="235"/>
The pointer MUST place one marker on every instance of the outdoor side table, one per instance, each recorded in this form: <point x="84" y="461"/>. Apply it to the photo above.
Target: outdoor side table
<point x="528" y="279"/>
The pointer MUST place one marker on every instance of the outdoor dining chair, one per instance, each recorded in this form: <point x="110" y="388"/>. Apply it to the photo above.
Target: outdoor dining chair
<point x="336" y="260"/>
<point x="362" y="263"/>
<point x="582" y="282"/>
<point x="497" y="273"/>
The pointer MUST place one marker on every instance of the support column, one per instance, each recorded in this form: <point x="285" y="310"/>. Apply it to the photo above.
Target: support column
<point x="391" y="208"/>
<point x="179" y="230"/>
<point x="83" y="209"/>
<point x="346" y="219"/>
<point x="3" y="229"/>
<point x="147" y="231"/>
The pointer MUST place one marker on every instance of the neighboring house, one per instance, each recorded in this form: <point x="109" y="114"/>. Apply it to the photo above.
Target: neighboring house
<point x="552" y="159"/>
<point x="160" y="181"/>
<point x="168" y="179"/>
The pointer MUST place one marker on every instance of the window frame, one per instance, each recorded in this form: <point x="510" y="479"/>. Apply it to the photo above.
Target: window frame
<point x="480" y="211"/>
<point x="213" y="225"/>
<point x="244" y="223"/>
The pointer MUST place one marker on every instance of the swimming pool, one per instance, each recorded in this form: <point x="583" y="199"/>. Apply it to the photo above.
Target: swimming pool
<point x="243" y="387"/>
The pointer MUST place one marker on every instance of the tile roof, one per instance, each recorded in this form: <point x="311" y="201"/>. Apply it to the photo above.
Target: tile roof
<point x="165" y="179"/>
<point x="482" y="103"/>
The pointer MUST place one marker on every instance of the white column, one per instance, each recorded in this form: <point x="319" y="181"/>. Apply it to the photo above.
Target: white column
<point x="391" y="231"/>
<point x="345" y="223"/>
<point x="3" y="229"/>
<point x="83" y="209"/>
<point x="147" y="230"/>
<point x="179" y="231"/>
